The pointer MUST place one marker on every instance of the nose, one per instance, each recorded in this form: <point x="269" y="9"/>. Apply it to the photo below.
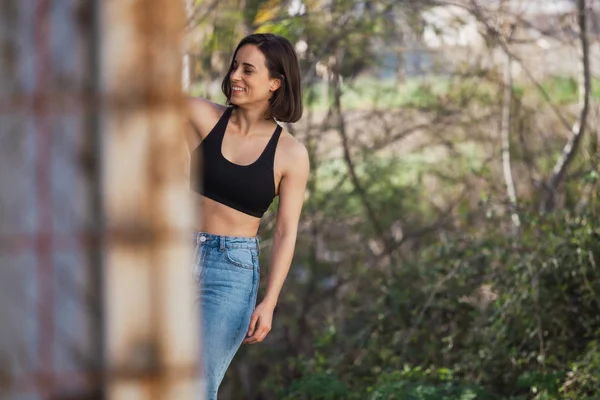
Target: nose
<point x="235" y="75"/>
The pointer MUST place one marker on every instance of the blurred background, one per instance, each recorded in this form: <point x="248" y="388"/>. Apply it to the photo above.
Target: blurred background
<point x="449" y="246"/>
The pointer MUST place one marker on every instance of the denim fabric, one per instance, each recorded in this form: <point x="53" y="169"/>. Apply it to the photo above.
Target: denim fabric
<point x="227" y="275"/>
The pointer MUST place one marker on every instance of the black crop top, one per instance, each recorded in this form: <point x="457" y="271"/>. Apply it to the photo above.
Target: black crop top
<point x="246" y="188"/>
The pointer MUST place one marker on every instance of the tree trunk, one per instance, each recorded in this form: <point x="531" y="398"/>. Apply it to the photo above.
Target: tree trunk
<point x="505" y="128"/>
<point x="578" y="130"/>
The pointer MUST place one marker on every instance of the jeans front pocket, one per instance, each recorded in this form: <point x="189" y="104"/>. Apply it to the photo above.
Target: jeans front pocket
<point x="241" y="257"/>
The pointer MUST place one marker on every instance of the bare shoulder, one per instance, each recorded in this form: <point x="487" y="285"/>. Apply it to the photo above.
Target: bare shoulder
<point x="204" y="114"/>
<point x="293" y="154"/>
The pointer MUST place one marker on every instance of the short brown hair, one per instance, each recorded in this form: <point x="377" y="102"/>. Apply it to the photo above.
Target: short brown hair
<point x="282" y="62"/>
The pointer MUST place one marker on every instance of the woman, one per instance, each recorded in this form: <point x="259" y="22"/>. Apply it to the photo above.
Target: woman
<point x="245" y="160"/>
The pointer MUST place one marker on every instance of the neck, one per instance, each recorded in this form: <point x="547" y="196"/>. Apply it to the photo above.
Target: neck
<point x="251" y="120"/>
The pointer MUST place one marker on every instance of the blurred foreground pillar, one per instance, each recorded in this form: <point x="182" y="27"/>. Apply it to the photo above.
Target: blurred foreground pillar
<point x="151" y="330"/>
<point x="96" y="294"/>
<point x="51" y="316"/>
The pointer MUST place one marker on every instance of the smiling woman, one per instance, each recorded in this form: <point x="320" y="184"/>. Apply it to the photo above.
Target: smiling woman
<point x="274" y="61"/>
<point x="241" y="160"/>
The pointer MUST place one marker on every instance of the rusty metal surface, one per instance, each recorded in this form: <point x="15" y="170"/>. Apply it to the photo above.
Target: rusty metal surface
<point x="50" y="346"/>
<point x="152" y="333"/>
<point x="95" y="290"/>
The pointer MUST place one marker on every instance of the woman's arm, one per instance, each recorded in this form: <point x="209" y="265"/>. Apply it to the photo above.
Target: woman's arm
<point x="202" y="116"/>
<point x="291" y="198"/>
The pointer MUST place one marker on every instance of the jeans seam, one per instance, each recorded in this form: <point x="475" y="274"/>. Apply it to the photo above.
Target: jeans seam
<point x="220" y="368"/>
<point x="240" y="246"/>
<point x="202" y="266"/>
<point x="223" y="367"/>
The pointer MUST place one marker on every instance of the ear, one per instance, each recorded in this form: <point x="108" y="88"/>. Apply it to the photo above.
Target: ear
<point x="275" y="84"/>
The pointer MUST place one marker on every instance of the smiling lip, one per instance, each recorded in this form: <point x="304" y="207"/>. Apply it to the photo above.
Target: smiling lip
<point x="237" y="89"/>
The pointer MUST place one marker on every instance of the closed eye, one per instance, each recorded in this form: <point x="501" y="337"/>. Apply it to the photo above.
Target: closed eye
<point x="246" y="70"/>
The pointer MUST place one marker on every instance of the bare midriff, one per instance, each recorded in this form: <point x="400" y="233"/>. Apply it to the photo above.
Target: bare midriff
<point x="219" y="219"/>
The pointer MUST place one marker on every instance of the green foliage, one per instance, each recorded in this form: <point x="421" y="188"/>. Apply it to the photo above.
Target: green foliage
<point x="423" y="384"/>
<point x="562" y="90"/>
<point x="515" y="315"/>
<point x="405" y="384"/>
<point x="583" y="378"/>
<point x="317" y="387"/>
<point x="471" y="308"/>
<point x="368" y="93"/>
<point x="365" y="93"/>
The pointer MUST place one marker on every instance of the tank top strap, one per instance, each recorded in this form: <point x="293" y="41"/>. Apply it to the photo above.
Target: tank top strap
<point x="268" y="155"/>
<point x="218" y="131"/>
<point x="222" y="124"/>
<point x="272" y="144"/>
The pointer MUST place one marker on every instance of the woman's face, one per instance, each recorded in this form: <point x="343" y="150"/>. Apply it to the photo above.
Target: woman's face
<point x="250" y="80"/>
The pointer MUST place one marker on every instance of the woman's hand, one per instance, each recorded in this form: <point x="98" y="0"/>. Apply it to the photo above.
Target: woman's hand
<point x="260" y="323"/>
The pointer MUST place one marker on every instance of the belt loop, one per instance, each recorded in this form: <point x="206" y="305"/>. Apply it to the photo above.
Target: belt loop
<point x="221" y="243"/>
<point x="258" y="246"/>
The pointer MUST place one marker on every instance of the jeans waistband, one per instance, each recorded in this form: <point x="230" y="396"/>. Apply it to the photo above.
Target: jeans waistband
<point x="231" y="242"/>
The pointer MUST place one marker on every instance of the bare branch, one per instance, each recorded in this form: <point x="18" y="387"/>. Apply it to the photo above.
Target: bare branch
<point x="578" y="129"/>
<point x="505" y="125"/>
<point x="438" y="286"/>
<point x="360" y="190"/>
<point x="195" y="14"/>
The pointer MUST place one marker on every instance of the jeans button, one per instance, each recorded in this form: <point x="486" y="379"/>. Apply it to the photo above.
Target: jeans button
<point x="203" y="238"/>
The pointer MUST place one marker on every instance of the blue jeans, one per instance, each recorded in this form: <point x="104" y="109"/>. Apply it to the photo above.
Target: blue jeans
<point x="227" y="275"/>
